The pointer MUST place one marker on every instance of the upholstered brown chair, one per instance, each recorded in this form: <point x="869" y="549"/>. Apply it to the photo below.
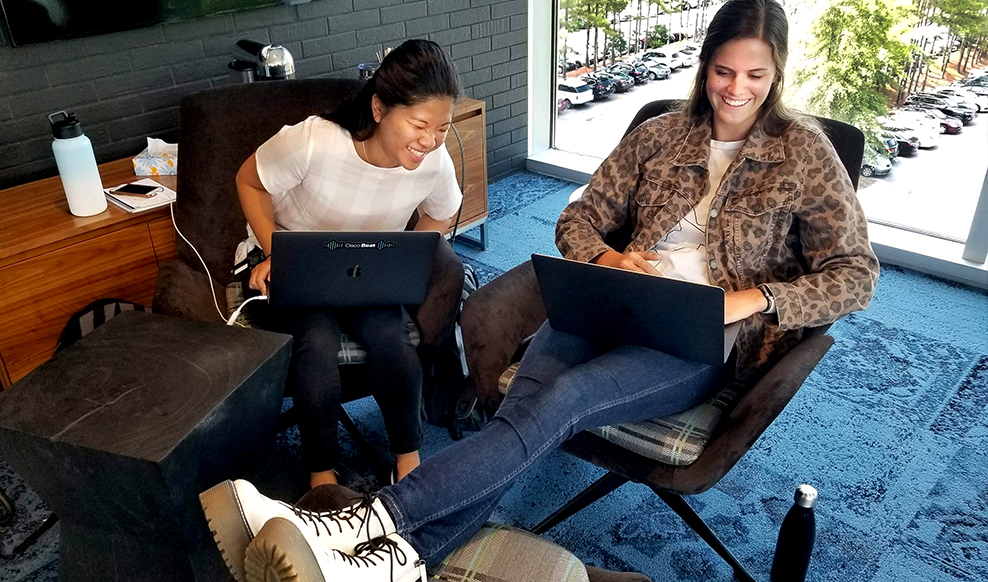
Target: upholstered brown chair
<point x="685" y="454"/>
<point x="218" y="130"/>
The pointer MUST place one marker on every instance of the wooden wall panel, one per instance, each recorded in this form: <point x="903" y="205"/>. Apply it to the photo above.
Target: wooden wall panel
<point x="37" y="296"/>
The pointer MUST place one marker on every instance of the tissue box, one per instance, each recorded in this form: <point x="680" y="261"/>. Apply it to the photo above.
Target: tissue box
<point x="148" y="164"/>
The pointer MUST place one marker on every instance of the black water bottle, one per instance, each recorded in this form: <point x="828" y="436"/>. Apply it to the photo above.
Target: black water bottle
<point x="792" y="552"/>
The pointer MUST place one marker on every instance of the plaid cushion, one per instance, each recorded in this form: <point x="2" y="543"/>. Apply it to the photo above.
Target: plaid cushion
<point x="351" y="352"/>
<point x="499" y="553"/>
<point x="674" y="440"/>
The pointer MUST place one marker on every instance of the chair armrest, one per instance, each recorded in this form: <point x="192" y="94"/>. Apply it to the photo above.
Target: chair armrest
<point x="756" y="410"/>
<point x="184" y="292"/>
<point x="436" y="314"/>
<point x="495" y="319"/>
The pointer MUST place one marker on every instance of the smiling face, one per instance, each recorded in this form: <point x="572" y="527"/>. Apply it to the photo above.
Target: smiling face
<point x="739" y="78"/>
<point x="405" y="134"/>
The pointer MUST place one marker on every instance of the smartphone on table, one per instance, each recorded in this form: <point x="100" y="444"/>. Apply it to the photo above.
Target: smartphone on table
<point x="138" y="190"/>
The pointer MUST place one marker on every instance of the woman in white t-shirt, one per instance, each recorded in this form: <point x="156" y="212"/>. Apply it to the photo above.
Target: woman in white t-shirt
<point x="366" y="166"/>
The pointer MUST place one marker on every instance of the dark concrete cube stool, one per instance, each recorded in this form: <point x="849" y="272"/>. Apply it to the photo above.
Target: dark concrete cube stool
<point x="121" y="431"/>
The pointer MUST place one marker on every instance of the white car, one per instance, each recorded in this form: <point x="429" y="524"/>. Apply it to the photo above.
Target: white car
<point x="665" y="56"/>
<point x="574" y="91"/>
<point x="914" y="119"/>
<point x="913" y="128"/>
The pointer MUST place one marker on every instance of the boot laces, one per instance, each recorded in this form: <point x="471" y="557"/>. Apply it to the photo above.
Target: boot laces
<point x="339" y="517"/>
<point x="372" y="552"/>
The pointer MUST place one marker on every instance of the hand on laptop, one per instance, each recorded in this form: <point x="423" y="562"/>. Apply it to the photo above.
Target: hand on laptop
<point x="629" y="261"/>
<point x="259" y="276"/>
<point x="740" y="305"/>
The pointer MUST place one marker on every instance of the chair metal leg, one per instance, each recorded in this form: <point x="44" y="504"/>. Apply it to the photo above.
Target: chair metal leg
<point x="351" y="428"/>
<point x="683" y="510"/>
<point x="598" y="489"/>
<point x="476" y="242"/>
<point x="8" y="517"/>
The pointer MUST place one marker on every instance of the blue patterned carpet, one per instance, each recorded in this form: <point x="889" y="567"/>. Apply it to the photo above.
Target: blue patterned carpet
<point x="892" y="428"/>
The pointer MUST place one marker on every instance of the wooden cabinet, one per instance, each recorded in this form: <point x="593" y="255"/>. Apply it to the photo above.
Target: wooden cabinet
<point x="471" y="122"/>
<point x="52" y="263"/>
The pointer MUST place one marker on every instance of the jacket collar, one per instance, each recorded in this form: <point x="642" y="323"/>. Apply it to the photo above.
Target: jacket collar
<point x="695" y="147"/>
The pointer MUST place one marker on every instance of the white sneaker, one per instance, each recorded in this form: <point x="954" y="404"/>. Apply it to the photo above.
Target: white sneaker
<point x="236" y="512"/>
<point x="282" y="552"/>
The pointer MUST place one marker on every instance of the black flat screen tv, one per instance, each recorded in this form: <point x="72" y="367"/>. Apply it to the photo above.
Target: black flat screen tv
<point x="34" y="21"/>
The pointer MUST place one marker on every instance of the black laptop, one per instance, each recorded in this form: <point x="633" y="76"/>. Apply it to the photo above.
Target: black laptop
<point x="344" y="269"/>
<point x="679" y="318"/>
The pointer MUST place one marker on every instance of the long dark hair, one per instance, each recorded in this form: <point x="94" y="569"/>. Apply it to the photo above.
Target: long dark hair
<point x="739" y="19"/>
<point x="415" y="71"/>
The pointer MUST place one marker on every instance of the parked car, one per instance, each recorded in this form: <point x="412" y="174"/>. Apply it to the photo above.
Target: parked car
<point x="638" y="73"/>
<point x="925" y="136"/>
<point x="665" y="56"/>
<point x="891" y="146"/>
<point x="978" y="81"/>
<point x="656" y="69"/>
<point x="947" y="123"/>
<point x="689" y="58"/>
<point x="602" y="86"/>
<point x="907" y="146"/>
<point x="622" y="83"/>
<point x="574" y="92"/>
<point x="969" y="97"/>
<point x="874" y="163"/>
<point x="916" y="120"/>
<point x="965" y="114"/>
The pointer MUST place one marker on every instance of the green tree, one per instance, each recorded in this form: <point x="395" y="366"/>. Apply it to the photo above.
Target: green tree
<point x="658" y="36"/>
<point x="854" y="62"/>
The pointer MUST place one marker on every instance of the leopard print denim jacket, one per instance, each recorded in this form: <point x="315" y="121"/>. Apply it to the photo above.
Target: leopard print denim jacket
<point x="785" y="215"/>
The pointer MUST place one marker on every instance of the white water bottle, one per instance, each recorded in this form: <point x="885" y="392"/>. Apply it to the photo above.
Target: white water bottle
<point x="76" y="165"/>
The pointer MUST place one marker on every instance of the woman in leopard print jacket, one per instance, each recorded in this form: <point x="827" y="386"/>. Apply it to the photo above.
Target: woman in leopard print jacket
<point x="783" y="223"/>
<point x="782" y="233"/>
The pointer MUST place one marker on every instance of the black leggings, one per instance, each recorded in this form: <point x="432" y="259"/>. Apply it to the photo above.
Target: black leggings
<point x="393" y="367"/>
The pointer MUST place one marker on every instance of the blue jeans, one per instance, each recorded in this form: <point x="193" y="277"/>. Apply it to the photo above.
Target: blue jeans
<point x="565" y="384"/>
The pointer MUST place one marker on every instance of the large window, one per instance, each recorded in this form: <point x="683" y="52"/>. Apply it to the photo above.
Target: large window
<point x="612" y="57"/>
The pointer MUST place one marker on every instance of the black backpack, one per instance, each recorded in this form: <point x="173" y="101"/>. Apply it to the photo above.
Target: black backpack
<point x="449" y="398"/>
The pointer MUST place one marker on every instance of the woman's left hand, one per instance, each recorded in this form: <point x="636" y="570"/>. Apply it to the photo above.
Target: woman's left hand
<point x="740" y="305"/>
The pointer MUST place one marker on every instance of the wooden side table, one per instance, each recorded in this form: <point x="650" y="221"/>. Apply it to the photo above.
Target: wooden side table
<point x="52" y="263"/>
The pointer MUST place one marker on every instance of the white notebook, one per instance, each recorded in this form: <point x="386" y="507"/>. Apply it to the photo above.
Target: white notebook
<point x="132" y="203"/>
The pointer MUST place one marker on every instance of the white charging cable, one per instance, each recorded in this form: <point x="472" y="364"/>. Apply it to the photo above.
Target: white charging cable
<point x="171" y="208"/>
<point x="236" y="313"/>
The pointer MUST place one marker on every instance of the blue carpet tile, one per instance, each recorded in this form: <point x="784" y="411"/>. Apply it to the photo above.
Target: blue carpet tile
<point x="892" y="427"/>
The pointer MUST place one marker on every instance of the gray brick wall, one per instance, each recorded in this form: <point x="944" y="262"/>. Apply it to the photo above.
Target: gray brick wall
<point x="126" y="86"/>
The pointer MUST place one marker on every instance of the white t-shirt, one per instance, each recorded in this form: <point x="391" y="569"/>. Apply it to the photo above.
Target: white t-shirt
<point x="684" y="250"/>
<point x="318" y="182"/>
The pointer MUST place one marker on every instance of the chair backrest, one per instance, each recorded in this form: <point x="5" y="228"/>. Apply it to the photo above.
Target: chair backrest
<point x="847" y="139"/>
<point x="218" y="130"/>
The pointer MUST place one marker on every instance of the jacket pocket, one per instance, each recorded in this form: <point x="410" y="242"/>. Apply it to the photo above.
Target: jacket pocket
<point x="757" y="219"/>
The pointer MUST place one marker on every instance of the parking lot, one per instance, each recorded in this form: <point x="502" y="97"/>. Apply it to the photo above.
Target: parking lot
<point x="933" y="191"/>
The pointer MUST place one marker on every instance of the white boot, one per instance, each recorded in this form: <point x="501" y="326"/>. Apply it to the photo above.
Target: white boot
<point x="236" y="512"/>
<point x="283" y="552"/>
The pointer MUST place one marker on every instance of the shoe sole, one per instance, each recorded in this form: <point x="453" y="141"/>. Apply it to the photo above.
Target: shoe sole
<point x="279" y="553"/>
<point x="228" y="525"/>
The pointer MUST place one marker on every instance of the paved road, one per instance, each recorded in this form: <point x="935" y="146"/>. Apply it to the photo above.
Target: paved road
<point x="934" y="190"/>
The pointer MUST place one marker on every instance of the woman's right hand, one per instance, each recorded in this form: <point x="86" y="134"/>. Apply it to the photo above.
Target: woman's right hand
<point x="629" y="261"/>
<point x="259" y="276"/>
